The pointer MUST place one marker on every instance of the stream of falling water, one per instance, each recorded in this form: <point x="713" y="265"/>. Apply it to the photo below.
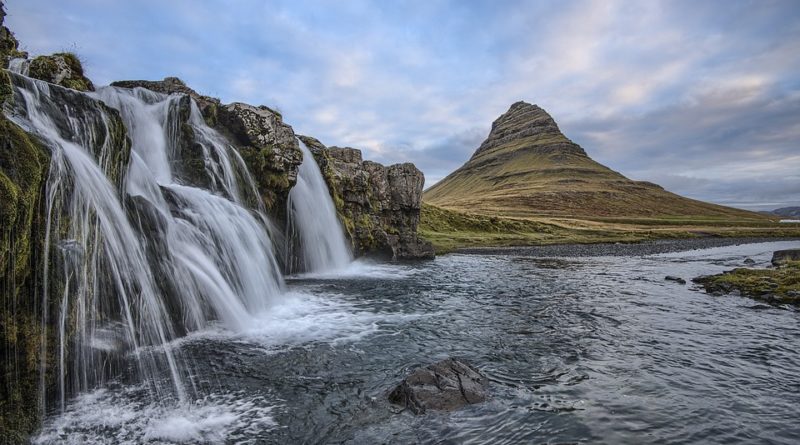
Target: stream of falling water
<point x="137" y="253"/>
<point x="312" y="217"/>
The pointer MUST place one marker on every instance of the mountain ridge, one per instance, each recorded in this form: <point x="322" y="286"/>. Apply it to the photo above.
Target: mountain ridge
<point x="528" y="167"/>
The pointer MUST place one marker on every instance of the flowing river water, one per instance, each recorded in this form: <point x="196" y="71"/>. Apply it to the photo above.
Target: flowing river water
<point x="590" y="349"/>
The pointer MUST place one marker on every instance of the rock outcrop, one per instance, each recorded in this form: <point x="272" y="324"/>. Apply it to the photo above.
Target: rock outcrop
<point x="379" y="205"/>
<point x="781" y="257"/>
<point x="9" y="46"/>
<point x="445" y="386"/>
<point x="64" y="69"/>
<point x="777" y="285"/>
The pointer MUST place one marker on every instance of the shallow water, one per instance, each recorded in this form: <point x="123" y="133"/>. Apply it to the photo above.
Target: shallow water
<point x="577" y="350"/>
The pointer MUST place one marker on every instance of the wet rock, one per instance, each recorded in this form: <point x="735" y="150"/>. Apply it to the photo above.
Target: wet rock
<point x="780" y="257"/>
<point x="447" y="385"/>
<point x="749" y="261"/>
<point x="678" y="280"/>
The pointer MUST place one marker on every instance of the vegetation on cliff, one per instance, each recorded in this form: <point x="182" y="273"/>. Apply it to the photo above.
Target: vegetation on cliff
<point x="64" y="69"/>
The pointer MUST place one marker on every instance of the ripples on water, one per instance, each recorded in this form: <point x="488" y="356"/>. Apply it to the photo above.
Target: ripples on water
<point x="578" y="350"/>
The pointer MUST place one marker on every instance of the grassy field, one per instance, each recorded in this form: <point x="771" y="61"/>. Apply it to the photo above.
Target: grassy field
<point x="449" y="230"/>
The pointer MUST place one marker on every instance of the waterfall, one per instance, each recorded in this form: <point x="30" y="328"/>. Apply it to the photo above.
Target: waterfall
<point x="312" y="218"/>
<point x="19" y="66"/>
<point x="137" y="252"/>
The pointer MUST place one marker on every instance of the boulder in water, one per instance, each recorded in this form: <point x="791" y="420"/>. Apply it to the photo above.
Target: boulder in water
<point x="446" y="386"/>
<point x="678" y="280"/>
<point x="780" y="257"/>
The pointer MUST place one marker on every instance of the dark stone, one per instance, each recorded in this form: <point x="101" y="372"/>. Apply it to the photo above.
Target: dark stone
<point x="749" y="261"/>
<point x="678" y="280"/>
<point x="780" y="257"/>
<point x="446" y="386"/>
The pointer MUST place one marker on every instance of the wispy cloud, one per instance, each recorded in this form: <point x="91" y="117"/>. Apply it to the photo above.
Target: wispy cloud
<point x="706" y="91"/>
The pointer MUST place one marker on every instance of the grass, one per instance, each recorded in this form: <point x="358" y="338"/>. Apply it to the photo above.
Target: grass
<point x="449" y="230"/>
<point x="780" y="285"/>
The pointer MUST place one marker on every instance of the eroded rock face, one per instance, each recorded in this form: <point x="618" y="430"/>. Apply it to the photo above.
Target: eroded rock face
<point x="445" y="386"/>
<point x="379" y="206"/>
<point x="267" y="145"/>
<point x="524" y="120"/>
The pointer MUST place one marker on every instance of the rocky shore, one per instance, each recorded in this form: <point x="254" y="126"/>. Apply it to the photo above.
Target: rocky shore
<point x="618" y="249"/>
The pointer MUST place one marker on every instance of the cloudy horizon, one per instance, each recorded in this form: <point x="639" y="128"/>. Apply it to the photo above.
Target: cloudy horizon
<point x="702" y="98"/>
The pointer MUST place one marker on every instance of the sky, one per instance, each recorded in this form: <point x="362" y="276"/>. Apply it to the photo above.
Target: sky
<point x="701" y="97"/>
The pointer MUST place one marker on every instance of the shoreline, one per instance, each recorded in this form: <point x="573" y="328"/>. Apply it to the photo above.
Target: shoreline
<point x="642" y="248"/>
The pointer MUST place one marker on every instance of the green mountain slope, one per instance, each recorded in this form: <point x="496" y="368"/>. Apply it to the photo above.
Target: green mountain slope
<point x="527" y="168"/>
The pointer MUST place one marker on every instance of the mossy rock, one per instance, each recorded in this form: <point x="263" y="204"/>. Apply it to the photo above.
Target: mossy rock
<point x="64" y="69"/>
<point x="23" y="169"/>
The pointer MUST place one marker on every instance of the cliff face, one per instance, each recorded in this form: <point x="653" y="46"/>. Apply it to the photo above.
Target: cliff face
<point x="378" y="205"/>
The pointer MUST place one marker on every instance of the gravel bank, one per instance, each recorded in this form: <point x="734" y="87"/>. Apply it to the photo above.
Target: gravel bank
<point x="618" y="249"/>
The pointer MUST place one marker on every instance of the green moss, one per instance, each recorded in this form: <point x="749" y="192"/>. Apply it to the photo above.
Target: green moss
<point x="273" y="184"/>
<point x="6" y="89"/>
<point x="23" y="165"/>
<point x="43" y="68"/>
<point x="211" y="114"/>
<point x="22" y="168"/>
<point x="780" y="285"/>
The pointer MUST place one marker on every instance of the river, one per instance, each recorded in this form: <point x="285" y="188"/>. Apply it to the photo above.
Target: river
<point x="589" y="349"/>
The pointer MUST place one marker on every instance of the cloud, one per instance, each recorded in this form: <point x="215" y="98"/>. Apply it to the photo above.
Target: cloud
<point x="648" y="87"/>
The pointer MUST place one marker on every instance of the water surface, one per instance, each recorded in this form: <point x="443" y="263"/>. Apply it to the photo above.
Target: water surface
<point x="577" y="350"/>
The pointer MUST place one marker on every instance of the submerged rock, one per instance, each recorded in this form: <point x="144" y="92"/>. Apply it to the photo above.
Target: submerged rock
<point x="780" y="257"/>
<point x="678" y="280"/>
<point x="447" y="385"/>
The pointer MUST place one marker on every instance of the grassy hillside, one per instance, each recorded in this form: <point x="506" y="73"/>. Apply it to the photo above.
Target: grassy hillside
<point x="528" y="168"/>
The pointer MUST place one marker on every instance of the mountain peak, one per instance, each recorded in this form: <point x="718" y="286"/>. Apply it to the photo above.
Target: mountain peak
<point x="526" y="125"/>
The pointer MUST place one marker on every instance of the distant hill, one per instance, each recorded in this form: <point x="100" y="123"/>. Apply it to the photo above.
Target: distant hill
<point x="789" y="212"/>
<point x="527" y="168"/>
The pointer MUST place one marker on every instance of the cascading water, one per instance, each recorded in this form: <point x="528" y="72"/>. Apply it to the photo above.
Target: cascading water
<point x="313" y="220"/>
<point x="133" y="260"/>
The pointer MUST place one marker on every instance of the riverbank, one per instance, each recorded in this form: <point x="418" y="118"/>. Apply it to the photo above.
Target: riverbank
<point x="649" y="247"/>
<point x="450" y="231"/>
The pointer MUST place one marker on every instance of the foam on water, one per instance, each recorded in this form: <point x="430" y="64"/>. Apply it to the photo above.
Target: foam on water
<point x="302" y="319"/>
<point x="361" y="268"/>
<point x="123" y="416"/>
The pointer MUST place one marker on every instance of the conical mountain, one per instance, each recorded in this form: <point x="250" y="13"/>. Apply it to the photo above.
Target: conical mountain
<point x="527" y="167"/>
